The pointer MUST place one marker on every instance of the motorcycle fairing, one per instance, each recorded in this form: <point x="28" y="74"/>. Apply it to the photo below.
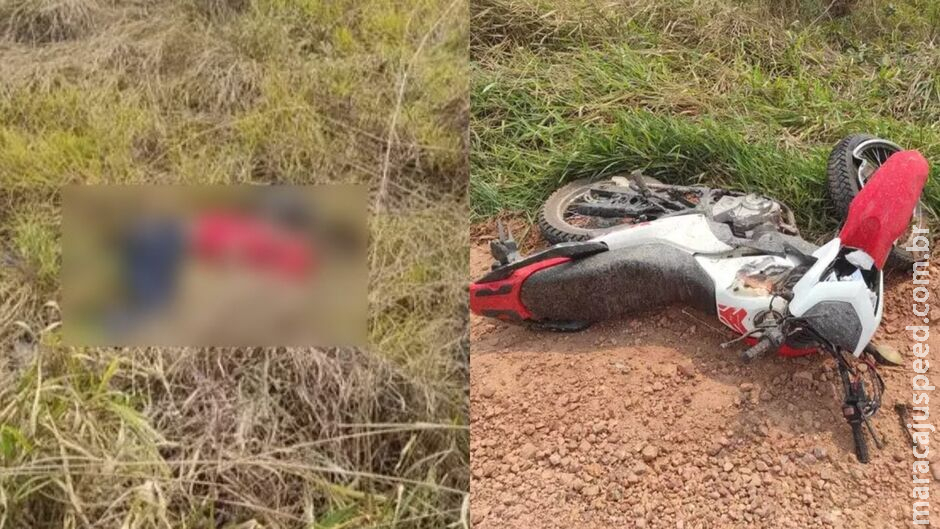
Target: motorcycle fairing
<point x="821" y="284"/>
<point x="741" y="308"/>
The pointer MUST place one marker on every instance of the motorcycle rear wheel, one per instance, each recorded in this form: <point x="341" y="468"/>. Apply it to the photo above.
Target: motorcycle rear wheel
<point x="557" y="224"/>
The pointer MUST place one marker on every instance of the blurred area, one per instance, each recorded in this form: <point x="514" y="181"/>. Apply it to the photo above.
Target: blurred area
<point x="215" y="265"/>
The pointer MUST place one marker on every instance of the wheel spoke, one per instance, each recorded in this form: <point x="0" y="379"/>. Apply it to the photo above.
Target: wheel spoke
<point x="872" y="157"/>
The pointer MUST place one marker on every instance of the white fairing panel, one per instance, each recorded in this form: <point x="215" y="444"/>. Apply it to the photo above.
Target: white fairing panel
<point x="812" y="289"/>
<point x="686" y="232"/>
<point x="740" y="308"/>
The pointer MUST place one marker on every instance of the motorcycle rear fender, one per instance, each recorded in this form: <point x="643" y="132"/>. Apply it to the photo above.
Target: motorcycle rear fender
<point x="848" y="311"/>
<point x="502" y="298"/>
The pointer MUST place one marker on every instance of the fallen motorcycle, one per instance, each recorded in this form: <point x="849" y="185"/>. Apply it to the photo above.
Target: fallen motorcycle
<point x="630" y="243"/>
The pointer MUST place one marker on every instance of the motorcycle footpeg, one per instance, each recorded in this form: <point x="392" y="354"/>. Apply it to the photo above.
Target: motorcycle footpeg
<point x="505" y="249"/>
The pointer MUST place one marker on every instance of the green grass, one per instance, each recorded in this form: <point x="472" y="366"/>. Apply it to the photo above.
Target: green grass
<point x="744" y="94"/>
<point x="255" y="92"/>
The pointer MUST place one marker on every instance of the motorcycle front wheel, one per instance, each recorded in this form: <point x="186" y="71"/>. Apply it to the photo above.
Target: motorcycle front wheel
<point x="851" y="163"/>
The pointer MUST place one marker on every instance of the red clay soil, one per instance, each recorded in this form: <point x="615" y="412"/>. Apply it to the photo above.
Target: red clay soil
<point x="648" y="422"/>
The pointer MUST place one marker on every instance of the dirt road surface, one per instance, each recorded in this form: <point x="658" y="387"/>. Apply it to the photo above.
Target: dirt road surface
<point x="647" y="422"/>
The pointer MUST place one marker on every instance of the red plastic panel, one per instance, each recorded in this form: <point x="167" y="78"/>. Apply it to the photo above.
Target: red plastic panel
<point x="882" y="210"/>
<point x="503" y="298"/>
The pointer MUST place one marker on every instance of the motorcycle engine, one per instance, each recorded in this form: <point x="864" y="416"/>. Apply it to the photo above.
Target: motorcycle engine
<point x="746" y="212"/>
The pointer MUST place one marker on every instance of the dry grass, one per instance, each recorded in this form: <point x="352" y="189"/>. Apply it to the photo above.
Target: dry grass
<point x="222" y="436"/>
<point x="237" y="91"/>
<point x="44" y="21"/>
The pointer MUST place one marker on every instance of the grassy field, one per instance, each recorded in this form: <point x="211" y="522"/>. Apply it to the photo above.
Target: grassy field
<point x="748" y="94"/>
<point x="238" y="91"/>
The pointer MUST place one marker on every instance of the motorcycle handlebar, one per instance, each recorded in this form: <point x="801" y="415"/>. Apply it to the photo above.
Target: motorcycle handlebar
<point x="762" y="347"/>
<point x="771" y="339"/>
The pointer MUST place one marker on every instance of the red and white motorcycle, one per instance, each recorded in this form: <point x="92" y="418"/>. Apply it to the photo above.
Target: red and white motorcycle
<point x="628" y="244"/>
